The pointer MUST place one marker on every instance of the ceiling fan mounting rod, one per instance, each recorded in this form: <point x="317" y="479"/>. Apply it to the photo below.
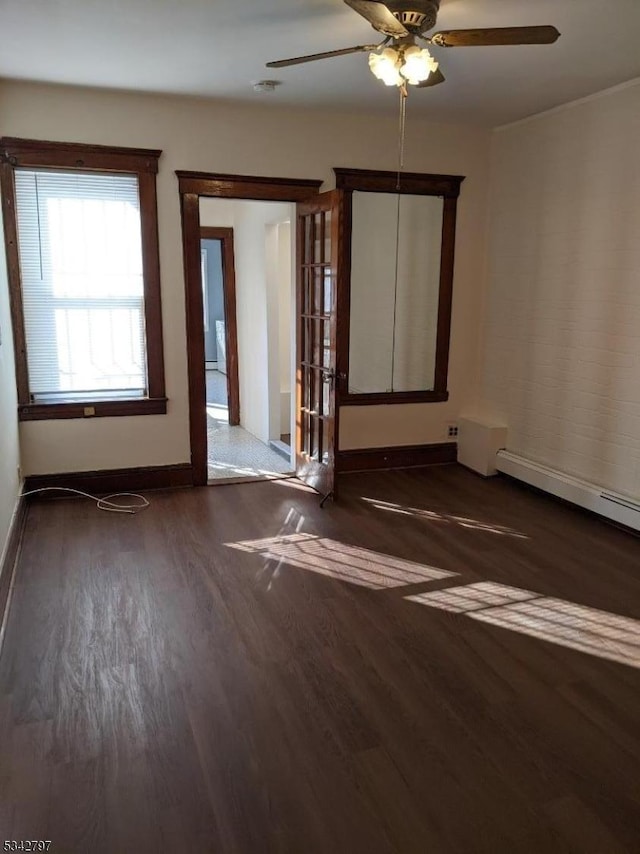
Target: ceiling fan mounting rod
<point x="414" y="22"/>
<point x="405" y="41"/>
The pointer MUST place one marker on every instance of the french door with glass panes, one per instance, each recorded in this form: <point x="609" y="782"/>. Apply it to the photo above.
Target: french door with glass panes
<point x="318" y="247"/>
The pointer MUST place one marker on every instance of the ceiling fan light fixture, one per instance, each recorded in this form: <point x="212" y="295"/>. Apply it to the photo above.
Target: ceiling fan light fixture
<point x="402" y="64"/>
<point x="386" y="66"/>
<point x="418" y="65"/>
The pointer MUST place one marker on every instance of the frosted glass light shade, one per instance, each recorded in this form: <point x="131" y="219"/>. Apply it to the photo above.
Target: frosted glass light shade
<point x="398" y="65"/>
<point x="418" y="65"/>
<point x="386" y="66"/>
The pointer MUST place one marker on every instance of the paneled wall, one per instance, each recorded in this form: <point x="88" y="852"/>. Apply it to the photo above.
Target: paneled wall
<point x="562" y="334"/>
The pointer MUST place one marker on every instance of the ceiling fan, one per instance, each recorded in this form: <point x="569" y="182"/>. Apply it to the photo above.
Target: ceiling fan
<point x="399" y="60"/>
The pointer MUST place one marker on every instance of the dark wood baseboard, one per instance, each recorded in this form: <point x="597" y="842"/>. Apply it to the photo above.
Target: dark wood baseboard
<point x="115" y="480"/>
<point x="7" y="564"/>
<point x="401" y="457"/>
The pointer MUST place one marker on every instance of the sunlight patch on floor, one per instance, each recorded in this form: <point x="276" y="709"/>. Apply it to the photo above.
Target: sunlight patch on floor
<point x="472" y="597"/>
<point x="220" y="471"/>
<point x="218" y="412"/>
<point x="578" y="627"/>
<point x="343" y="562"/>
<point x="445" y="518"/>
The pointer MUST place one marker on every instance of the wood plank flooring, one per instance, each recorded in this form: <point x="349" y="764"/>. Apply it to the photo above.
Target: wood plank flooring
<point x="237" y="671"/>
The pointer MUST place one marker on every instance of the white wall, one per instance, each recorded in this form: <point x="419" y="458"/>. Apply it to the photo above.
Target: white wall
<point x="217" y="213"/>
<point x="279" y="265"/>
<point x="251" y="296"/>
<point x="286" y="321"/>
<point x="205" y="135"/>
<point x="257" y="308"/>
<point x="9" y="452"/>
<point x="562" y="362"/>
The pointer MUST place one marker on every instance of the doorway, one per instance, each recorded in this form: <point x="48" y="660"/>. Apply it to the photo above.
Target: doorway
<point x="246" y="272"/>
<point x="217" y="272"/>
<point x="195" y="187"/>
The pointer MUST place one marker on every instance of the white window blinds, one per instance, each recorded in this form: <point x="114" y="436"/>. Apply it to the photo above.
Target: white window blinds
<point x="82" y="285"/>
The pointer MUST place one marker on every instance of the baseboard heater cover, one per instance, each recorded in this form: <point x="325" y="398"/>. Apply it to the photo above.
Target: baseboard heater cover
<point x="618" y="508"/>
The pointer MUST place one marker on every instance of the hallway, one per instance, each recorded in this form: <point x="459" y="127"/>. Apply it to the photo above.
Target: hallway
<point x="233" y="452"/>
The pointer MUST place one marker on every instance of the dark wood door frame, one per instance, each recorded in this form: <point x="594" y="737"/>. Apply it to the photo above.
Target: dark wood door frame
<point x="225" y="236"/>
<point x="192" y="185"/>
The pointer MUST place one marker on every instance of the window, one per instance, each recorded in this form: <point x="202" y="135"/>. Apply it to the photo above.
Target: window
<point x="81" y="233"/>
<point x="393" y="344"/>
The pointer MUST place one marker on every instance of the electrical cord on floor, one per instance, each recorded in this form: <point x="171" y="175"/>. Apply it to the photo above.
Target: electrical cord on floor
<point x="105" y="503"/>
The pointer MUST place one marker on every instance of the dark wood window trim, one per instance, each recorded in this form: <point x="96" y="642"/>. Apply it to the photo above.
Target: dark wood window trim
<point x="29" y="153"/>
<point x="77" y="155"/>
<point x="384" y="397"/>
<point x="225" y="236"/>
<point x="191" y="186"/>
<point x="414" y="183"/>
<point x="93" y="409"/>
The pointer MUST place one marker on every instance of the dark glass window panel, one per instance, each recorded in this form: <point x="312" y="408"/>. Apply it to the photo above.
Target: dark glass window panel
<point x="303" y="290"/>
<point x="318" y="291"/>
<point x="308" y="224"/>
<point x="317" y="238"/>
<point x="318" y="380"/>
<point x="304" y="385"/>
<point x="327" y="238"/>
<point x="315" y="438"/>
<point x="327" y="334"/>
<point x="325" y="441"/>
<point x="328" y="292"/>
<point x="317" y="344"/>
<point x="326" y="411"/>
<point x="307" y="352"/>
<point x="304" y="424"/>
<point x="323" y="238"/>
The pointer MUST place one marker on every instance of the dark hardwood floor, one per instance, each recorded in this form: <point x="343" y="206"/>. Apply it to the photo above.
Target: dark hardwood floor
<point x="230" y="672"/>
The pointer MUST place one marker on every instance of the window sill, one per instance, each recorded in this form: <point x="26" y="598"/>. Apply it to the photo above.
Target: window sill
<point x="390" y="398"/>
<point x="92" y="409"/>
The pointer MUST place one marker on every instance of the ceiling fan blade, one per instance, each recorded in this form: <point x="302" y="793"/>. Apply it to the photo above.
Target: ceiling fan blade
<point x="432" y="80"/>
<point x="299" y="60"/>
<point x="380" y="18"/>
<point x="495" y="36"/>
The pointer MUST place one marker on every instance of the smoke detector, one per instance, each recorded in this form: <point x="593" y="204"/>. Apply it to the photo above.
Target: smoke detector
<point x="266" y="85"/>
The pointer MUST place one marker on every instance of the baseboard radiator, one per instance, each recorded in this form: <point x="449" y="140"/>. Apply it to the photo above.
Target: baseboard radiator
<point x="618" y="508"/>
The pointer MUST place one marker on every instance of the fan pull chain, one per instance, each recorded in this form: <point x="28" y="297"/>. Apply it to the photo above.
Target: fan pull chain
<point x="402" y="128"/>
<point x="401" y="146"/>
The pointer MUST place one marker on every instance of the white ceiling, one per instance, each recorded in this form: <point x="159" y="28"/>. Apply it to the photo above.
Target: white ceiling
<point x="218" y="47"/>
